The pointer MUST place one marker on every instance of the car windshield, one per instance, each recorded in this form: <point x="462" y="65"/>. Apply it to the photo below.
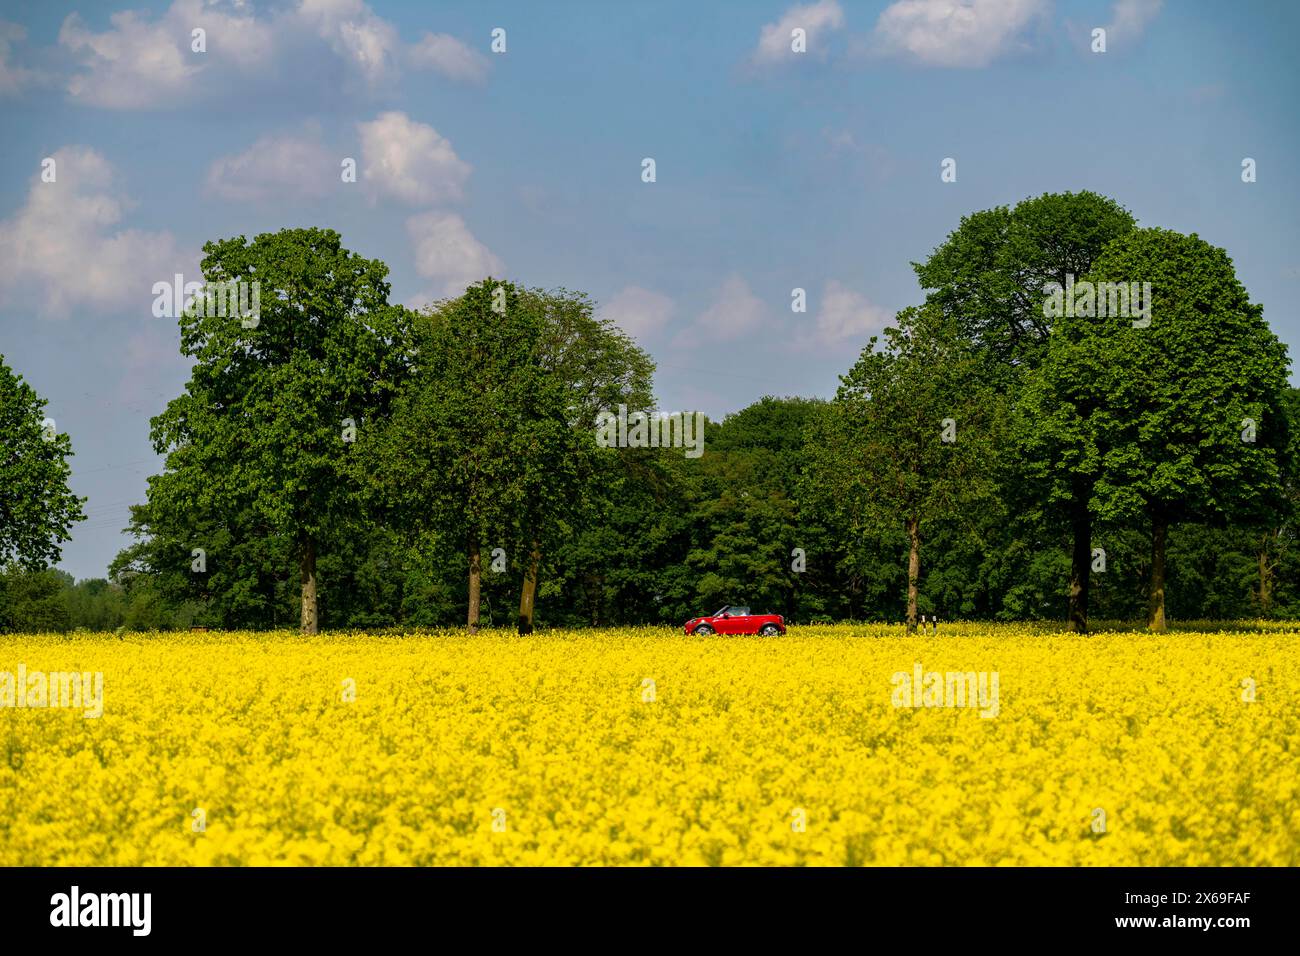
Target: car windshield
<point x="722" y="610"/>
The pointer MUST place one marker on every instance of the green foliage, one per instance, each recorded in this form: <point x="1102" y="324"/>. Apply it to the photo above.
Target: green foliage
<point x="259" y="431"/>
<point x="452" y="461"/>
<point x="476" y="424"/>
<point x="746" y="517"/>
<point x="94" y="604"/>
<point x="911" y="437"/>
<point x="249" y="578"/>
<point x="37" y="508"/>
<point x="1181" y="392"/>
<point x="627" y="563"/>
<point x="590" y="366"/>
<point x="989" y="274"/>
<point x="32" y="601"/>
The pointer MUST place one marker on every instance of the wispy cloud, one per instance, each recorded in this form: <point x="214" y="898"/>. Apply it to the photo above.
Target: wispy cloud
<point x="275" y="167"/>
<point x="817" y="20"/>
<point x="1129" y="18"/>
<point x="446" y="251"/>
<point x="13" y="78"/>
<point x="449" y="57"/>
<point x="641" y="313"/>
<point x="64" y="245"/>
<point x="734" y="313"/>
<point x="841" y="317"/>
<point x="366" y="42"/>
<point x="144" y="61"/>
<point x="956" y="33"/>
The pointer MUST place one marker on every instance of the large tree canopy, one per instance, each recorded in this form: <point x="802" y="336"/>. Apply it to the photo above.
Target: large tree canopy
<point x="456" y="458"/>
<point x="474" y="449"/>
<point x="274" y="402"/>
<point x="37" y="508"/>
<point x="911" y="437"/>
<point x="597" y="367"/>
<point x="1200" y="392"/>
<point x="1173" y="416"/>
<point x="989" y="274"/>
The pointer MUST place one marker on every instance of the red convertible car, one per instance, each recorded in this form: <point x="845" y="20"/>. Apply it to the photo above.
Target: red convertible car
<point x="736" y="620"/>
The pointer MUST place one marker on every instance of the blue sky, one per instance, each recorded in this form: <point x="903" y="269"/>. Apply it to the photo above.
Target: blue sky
<point x="774" y="170"/>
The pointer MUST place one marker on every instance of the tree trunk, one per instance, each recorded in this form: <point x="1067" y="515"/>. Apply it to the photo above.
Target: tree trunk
<point x="528" y="595"/>
<point x="913" y="570"/>
<point x="1265" y="578"/>
<point x="1080" y="556"/>
<point x="475" y="580"/>
<point x="590" y="581"/>
<point x="307" y="564"/>
<point x="1156" y="615"/>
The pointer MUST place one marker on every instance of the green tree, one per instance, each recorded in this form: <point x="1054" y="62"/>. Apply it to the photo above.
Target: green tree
<point x="95" y="604"/>
<point x="1069" y="426"/>
<point x="263" y="427"/>
<point x="598" y="367"/>
<point x="911" y="436"/>
<point x="453" y="460"/>
<point x="37" y="508"/>
<point x="33" y="602"/>
<point x="1277" y="539"/>
<point x="990" y="275"/>
<point x="246" y="577"/>
<point x="746" y="522"/>
<point x="1181" y="419"/>
<point x="627" y="564"/>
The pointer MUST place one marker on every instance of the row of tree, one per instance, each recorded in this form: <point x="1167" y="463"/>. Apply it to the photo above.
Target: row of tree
<point x="730" y="530"/>
<point x="348" y="462"/>
<point x="1095" y="418"/>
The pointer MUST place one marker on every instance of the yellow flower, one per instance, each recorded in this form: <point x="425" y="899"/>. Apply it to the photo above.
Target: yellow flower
<point x="1119" y="749"/>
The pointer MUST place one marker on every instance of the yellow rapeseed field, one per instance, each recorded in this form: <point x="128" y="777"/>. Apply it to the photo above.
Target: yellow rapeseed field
<point x="643" y="746"/>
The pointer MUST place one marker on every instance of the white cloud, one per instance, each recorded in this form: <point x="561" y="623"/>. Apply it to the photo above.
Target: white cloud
<point x="237" y="38"/>
<point x="276" y="167"/>
<point x="141" y="63"/>
<point x="844" y="316"/>
<point x="1129" y="18"/>
<point x="410" y="161"/>
<point x="453" y="59"/>
<point x="13" y="78"/>
<point x="134" y="65"/>
<point x="639" y="312"/>
<point x="400" y="159"/>
<point x="960" y="33"/>
<point x="817" y="20"/>
<point x="368" y="43"/>
<point x="735" y="312"/>
<point x="446" y="251"/>
<point x="144" y="61"/>
<point x="63" y="244"/>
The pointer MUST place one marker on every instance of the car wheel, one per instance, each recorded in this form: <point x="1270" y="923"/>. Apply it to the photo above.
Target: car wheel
<point x="769" y="630"/>
<point x="703" y="630"/>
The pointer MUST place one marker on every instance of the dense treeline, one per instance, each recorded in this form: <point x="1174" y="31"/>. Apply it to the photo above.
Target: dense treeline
<point x="1025" y="443"/>
<point x="671" y="539"/>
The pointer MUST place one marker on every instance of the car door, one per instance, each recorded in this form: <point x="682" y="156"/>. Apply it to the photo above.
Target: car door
<point x="739" y="620"/>
<point x="725" y="623"/>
